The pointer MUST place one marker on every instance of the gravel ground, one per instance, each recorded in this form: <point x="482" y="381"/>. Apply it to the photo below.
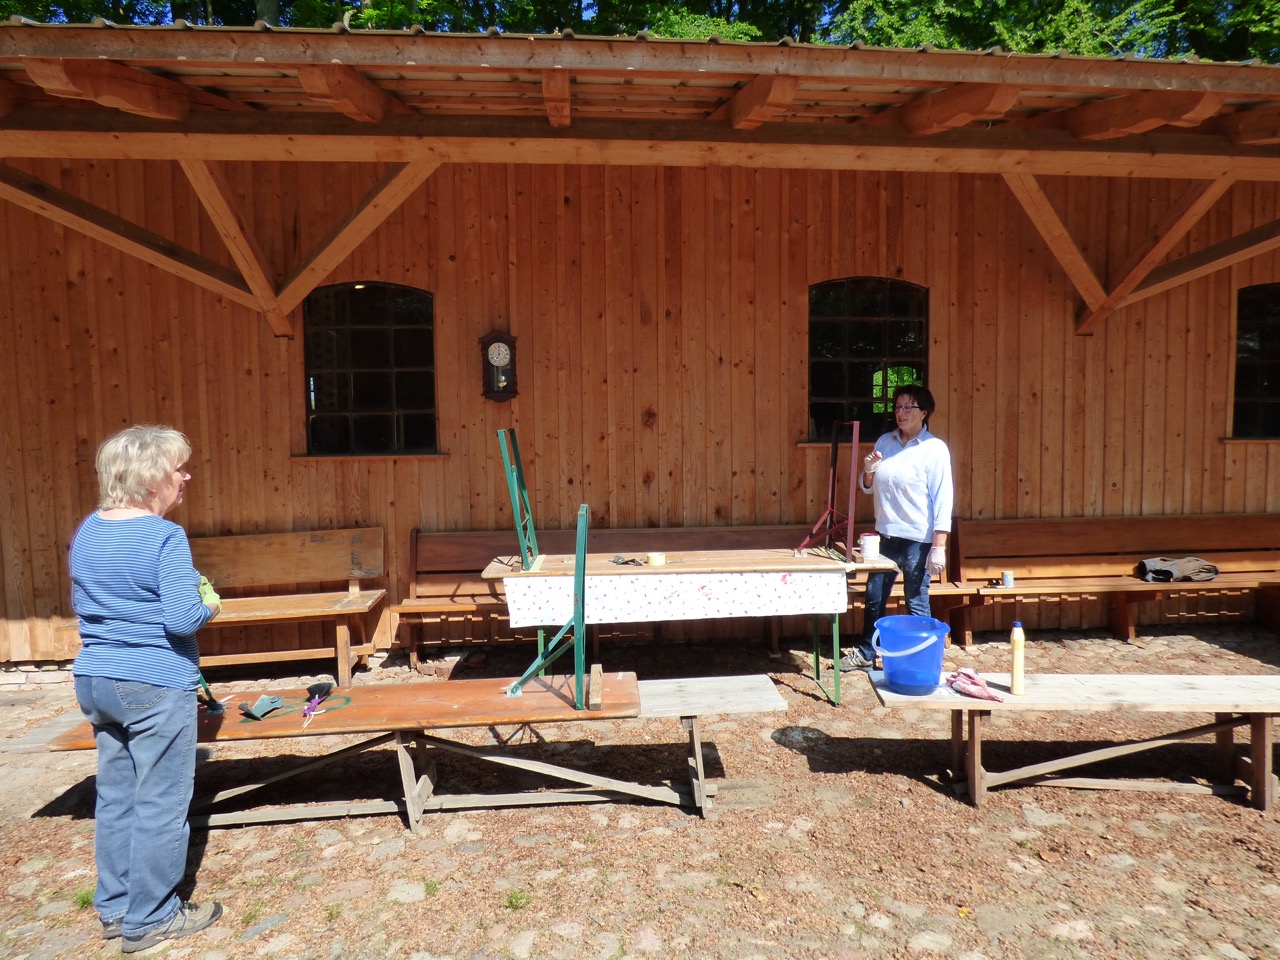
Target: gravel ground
<point x="835" y="834"/>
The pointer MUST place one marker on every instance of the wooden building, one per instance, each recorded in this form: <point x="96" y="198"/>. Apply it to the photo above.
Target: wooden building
<point x="647" y="219"/>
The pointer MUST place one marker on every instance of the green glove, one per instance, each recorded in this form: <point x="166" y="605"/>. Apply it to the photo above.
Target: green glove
<point x="207" y="593"/>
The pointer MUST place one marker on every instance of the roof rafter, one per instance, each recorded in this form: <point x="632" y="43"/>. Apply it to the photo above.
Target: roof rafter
<point x="1258" y="126"/>
<point x="1140" y="112"/>
<point x="112" y="85"/>
<point x="955" y="107"/>
<point x="216" y="196"/>
<point x="80" y="215"/>
<point x="757" y="101"/>
<point x="1173" y="226"/>
<point x="555" y="95"/>
<point x="349" y="92"/>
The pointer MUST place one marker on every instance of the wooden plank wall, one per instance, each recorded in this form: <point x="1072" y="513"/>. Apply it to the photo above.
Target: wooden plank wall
<point x="661" y="321"/>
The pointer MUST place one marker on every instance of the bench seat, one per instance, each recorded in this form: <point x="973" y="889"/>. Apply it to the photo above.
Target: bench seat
<point x="1096" y="558"/>
<point x="285" y="576"/>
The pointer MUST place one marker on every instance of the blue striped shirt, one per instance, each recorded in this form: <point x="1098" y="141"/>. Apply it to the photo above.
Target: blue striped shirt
<point x="137" y="594"/>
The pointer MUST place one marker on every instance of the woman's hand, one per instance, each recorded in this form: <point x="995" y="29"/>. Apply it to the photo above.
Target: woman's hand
<point x="937" y="562"/>
<point x="871" y="462"/>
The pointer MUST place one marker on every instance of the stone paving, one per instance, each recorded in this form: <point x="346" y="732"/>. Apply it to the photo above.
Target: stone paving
<point x="835" y="837"/>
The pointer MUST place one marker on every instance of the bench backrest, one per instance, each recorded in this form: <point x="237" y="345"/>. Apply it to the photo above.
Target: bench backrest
<point x="466" y="553"/>
<point x="1111" y="546"/>
<point x="268" y="559"/>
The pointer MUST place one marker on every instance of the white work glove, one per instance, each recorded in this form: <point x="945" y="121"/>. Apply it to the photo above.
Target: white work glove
<point x="871" y="462"/>
<point x="937" y="562"/>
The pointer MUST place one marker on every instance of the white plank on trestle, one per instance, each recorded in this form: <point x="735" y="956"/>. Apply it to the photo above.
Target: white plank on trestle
<point x="701" y="696"/>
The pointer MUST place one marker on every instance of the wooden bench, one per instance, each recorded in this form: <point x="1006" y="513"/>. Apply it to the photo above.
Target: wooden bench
<point x="1096" y="557"/>
<point x="413" y="716"/>
<point x="445" y="582"/>
<point x="273" y="578"/>
<point x="1251" y="702"/>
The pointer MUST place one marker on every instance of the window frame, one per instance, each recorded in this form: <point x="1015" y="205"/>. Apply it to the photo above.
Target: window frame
<point x="838" y="363"/>
<point x="363" y="370"/>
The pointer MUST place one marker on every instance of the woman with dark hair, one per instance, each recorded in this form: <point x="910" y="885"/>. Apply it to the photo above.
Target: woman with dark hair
<point x="908" y="474"/>
<point x="140" y="603"/>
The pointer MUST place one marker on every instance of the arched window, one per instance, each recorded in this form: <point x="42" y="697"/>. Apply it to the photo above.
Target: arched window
<point x="1257" y="399"/>
<point x="867" y="336"/>
<point x="370" y="362"/>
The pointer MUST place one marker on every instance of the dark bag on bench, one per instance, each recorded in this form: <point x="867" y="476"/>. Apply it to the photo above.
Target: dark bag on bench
<point x="1168" y="570"/>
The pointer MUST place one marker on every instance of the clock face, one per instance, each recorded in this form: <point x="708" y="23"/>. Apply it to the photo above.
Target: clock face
<point x="499" y="354"/>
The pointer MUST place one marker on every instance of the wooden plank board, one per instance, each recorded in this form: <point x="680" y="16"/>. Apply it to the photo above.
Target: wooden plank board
<point x="405" y="707"/>
<point x="1099" y="693"/>
<point x="705" y="696"/>
<point x="690" y="561"/>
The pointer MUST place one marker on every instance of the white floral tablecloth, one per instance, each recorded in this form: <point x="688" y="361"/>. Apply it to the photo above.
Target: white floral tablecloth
<point x="535" y="601"/>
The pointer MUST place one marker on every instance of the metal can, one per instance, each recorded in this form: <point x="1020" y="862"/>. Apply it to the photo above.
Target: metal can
<point x="1006" y="578"/>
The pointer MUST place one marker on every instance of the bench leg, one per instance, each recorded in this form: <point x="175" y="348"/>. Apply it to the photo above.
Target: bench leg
<point x="973" y="759"/>
<point x="343" y="645"/>
<point x="1267" y="606"/>
<point x="702" y="792"/>
<point x="1120" y="617"/>
<point x="1262" y="791"/>
<point x="1225" y="749"/>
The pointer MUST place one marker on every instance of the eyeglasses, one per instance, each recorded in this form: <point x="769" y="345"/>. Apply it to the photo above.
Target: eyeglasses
<point x="904" y="409"/>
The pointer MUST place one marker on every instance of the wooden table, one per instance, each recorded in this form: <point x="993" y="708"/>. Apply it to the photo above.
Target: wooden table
<point x="1251" y="702"/>
<point x="690" y="585"/>
<point x="402" y="714"/>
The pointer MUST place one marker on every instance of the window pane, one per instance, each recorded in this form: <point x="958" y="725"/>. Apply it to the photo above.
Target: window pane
<point x="866" y="339"/>
<point x="370" y="391"/>
<point x="371" y="349"/>
<point x="329" y="435"/>
<point x="905" y="338"/>
<point x="826" y="340"/>
<point x="415" y="391"/>
<point x="867" y="297"/>
<point x="413" y="348"/>
<point x="326" y="349"/>
<point x="821" y="418"/>
<point x="374" y="434"/>
<point x="826" y="379"/>
<point x="419" y="433"/>
<point x="865" y="379"/>
<point x="827" y="300"/>
<point x="330" y="393"/>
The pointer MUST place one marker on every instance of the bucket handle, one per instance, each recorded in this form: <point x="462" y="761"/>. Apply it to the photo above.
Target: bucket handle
<point x="875" y="643"/>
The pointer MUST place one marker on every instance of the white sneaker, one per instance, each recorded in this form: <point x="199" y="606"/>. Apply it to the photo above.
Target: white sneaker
<point x="854" y="660"/>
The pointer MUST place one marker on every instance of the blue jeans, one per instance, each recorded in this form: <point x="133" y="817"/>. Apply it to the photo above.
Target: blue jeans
<point x="912" y="559"/>
<point x="146" y="738"/>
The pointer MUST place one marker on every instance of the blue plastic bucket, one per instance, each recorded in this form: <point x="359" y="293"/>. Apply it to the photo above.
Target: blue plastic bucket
<point x="911" y="649"/>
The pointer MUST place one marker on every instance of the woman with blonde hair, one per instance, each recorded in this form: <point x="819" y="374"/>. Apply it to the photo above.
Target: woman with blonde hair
<point x="140" y="603"/>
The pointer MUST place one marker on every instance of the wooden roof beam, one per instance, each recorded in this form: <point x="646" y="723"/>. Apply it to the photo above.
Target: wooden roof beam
<point x="349" y="92"/>
<point x="1253" y="127"/>
<point x="958" y="106"/>
<point x="1046" y="220"/>
<point x="70" y="211"/>
<point x="1140" y="112"/>
<point x="1247" y="245"/>
<point x="216" y="196"/>
<point x="757" y="101"/>
<point x="1173" y="226"/>
<point x="112" y="85"/>
<point x="555" y="96"/>
<point x="379" y="203"/>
